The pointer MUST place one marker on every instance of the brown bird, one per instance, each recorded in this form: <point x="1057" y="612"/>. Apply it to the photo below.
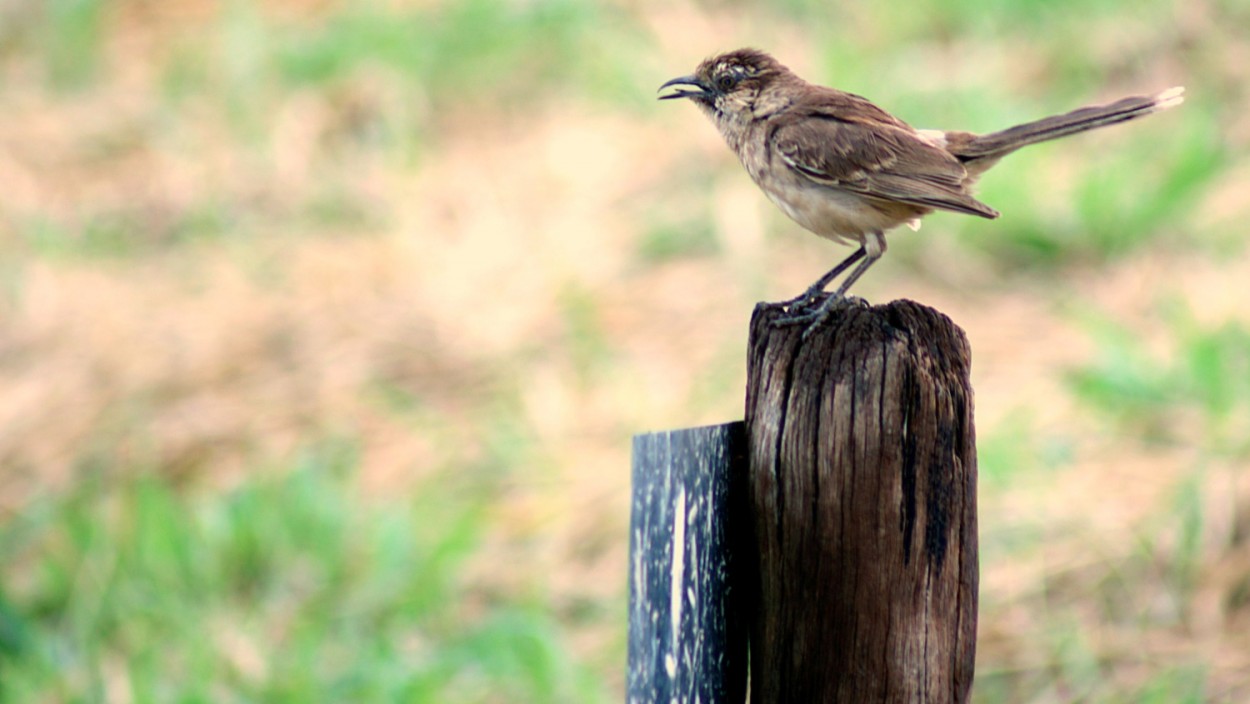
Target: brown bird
<point x="849" y="171"/>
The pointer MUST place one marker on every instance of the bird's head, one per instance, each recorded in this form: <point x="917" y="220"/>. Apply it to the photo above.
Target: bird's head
<point x="736" y="83"/>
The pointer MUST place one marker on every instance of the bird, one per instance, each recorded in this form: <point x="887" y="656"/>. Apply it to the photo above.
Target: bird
<point x="849" y="171"/>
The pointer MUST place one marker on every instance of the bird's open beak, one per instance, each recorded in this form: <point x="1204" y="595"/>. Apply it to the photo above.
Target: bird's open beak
<point x="702" y="91"/>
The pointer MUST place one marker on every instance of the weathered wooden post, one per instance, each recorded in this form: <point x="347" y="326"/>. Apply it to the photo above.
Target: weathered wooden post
<point x="687" y="632"/>
<point x="845" y="543"/>
<point x="863" y="496"/>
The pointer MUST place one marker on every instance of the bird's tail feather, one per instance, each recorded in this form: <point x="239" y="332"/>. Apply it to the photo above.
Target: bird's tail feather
<point x="997" y="144"/>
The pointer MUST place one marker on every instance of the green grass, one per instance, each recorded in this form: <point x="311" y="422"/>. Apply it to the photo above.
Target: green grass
<point x="678" y="240"/>
<point x="1206" y="376"/>
<point x="401" y="68"/>
<point x="123" y="235"/>
<point x="71" y="40"/>
<point x="1016" y="448"/>
<point x="291" y="587"/>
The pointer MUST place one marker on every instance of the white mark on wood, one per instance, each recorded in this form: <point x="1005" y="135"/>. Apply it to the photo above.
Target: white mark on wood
<point x="640" y="566"/>
<point x="675" y="581"/>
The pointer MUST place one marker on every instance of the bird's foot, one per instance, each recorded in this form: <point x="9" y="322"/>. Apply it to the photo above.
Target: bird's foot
<point x="801" y="302"/>
<point x="815" y="311"/>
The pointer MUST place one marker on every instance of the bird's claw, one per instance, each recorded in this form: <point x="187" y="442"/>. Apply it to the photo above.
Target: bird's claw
<point x="800" y="311"/>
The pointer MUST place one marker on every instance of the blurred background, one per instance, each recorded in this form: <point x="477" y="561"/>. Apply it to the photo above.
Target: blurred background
<point x="325" y="326"/>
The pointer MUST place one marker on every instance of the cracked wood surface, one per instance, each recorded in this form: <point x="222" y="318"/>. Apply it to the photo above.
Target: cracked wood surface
<point x="863" y="493"/>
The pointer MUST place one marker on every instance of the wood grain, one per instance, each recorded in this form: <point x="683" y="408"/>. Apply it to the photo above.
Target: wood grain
<point x="863" y="496"/>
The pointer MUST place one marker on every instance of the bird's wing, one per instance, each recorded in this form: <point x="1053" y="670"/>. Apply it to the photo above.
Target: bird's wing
<point x="865" y="150"/>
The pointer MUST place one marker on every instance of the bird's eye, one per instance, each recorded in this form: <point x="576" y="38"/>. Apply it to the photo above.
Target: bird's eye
<point x="726" y="81"/>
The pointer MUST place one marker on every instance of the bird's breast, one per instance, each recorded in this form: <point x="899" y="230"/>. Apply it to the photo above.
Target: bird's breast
<point x="833" y="213"/>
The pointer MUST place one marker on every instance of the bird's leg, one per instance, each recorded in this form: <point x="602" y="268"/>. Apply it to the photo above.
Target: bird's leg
<point x="814" y="291"/>
<point x="870" y="252"/>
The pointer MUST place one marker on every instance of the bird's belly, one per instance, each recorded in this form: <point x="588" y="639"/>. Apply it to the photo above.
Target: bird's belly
<point x="839" y="215"/>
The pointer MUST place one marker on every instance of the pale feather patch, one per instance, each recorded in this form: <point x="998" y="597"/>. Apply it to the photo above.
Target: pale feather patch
<point x="1170" y="98"/>
<point x="935" y="137"/>
<point x="914" y="224"/>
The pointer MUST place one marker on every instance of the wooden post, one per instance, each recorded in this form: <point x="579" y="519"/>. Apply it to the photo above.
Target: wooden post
<point x="863" y="495"/>
<point x="687" y="636"/>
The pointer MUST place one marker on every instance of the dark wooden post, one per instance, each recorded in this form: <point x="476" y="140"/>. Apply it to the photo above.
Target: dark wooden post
<point x="687" y="635"/>
<point x="863" y="493"/>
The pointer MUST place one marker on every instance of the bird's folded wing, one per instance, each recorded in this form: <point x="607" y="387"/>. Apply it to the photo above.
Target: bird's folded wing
<point x="879" y="160"/>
